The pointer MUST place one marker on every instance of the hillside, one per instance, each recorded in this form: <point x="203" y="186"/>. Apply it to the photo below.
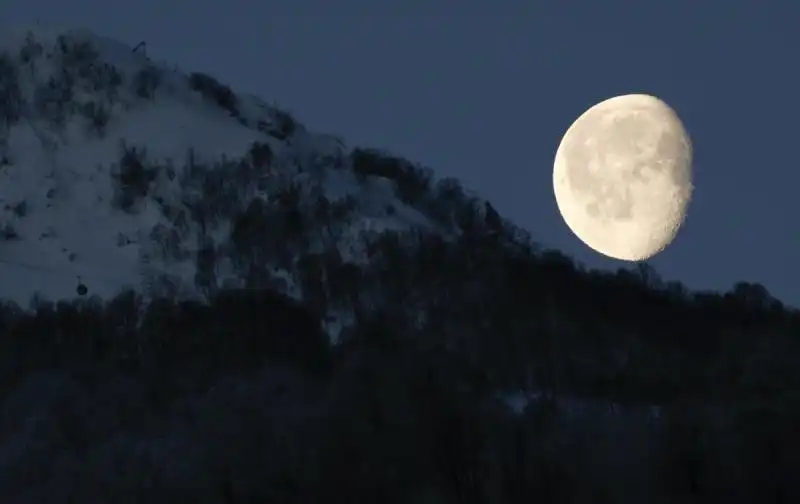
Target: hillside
<point x="272" y="316"/>
<point x="110" y="161"/>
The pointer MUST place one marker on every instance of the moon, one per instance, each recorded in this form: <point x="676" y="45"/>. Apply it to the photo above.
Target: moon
<point x="622" y="176"/>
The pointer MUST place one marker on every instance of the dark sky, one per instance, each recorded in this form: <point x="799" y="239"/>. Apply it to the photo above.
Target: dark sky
<point x="484" y="91"/>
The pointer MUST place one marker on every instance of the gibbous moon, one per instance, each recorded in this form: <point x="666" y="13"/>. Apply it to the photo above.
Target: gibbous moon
<point x="623" y="176"/>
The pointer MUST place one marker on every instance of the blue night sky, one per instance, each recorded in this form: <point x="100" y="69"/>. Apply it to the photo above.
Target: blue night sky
<point x="484" y="91"/>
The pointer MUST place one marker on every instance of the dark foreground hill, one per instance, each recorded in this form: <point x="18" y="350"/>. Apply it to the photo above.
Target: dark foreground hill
<point x="245" y="400"/>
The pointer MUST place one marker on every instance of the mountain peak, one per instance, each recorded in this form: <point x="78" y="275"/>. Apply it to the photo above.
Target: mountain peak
<point x="120" y="173"/>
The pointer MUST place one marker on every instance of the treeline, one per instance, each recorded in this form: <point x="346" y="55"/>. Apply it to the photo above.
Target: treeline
<point x="516" y="316"/>
<point x="243" y="400"/>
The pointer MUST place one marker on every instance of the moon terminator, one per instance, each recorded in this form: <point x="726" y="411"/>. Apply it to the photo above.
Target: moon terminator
<point x="622" y="176"/>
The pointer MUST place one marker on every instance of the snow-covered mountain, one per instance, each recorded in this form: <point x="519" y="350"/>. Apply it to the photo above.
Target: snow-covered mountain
<point x="106" y="158"/>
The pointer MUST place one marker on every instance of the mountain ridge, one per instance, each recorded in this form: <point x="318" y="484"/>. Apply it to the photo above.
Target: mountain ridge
<point x="135" y="96"/>
<point x="120" y="172"/>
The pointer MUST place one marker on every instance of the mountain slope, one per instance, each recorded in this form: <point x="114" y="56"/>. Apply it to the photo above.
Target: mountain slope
<point x="103" y="151"/>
